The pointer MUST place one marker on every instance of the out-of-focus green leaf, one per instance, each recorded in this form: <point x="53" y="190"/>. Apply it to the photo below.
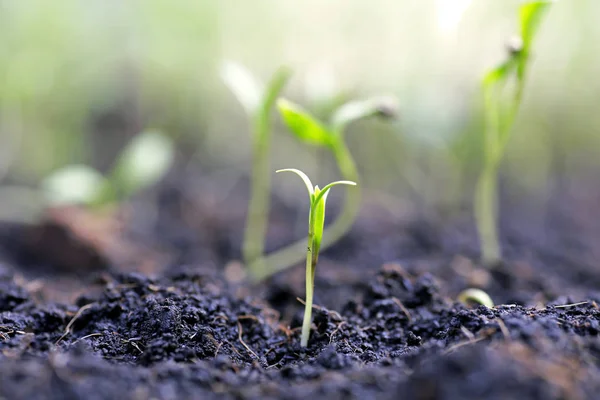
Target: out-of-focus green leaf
<point x="499" y="74"/>
<point x="530" y="15"/>
<point x="243" y="85"/>
<point x="74" y="184"/>
<point x="302" y="124"/>
<point x="476" y="295"/>
<point x="355" y="110"/>
<point x="143" y="162"/>
<point x="274" y="87"/>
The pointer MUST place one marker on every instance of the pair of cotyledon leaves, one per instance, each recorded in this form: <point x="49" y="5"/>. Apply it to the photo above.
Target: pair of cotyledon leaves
<point x="300" y="122"/>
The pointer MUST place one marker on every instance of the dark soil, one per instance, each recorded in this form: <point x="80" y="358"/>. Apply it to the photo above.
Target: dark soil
<point x="77" y="323"/>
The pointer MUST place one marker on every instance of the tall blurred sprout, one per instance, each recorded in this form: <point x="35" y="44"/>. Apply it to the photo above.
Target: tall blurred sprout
<point x="502" y="102"/>
<point x="258" y="103"/>
<point x="330" y="136"/>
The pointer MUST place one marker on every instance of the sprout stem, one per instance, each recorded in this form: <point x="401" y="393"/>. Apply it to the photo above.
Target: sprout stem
<point x="311" y="263"/>
<point x="486" y="213"/>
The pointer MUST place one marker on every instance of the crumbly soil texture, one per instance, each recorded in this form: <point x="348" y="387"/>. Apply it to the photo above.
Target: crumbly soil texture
<point x="382" y="329"/>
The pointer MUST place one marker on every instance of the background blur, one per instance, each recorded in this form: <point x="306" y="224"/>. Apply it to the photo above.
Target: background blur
<point x="79" y="78"/>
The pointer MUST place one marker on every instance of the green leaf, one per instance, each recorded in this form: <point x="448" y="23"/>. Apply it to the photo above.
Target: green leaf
<point x="323" y="192"/>
<point x="318" y="220"/>
<point x="274" y="87"/>
<point x="302" y="124"/>
<point x="530" y="16"/>
<point x="355" y="110"/>
<point x="74" y="184"/>
<point x="500" y="74"/>
<point x="243" y="85"/>
<point x="143" y="162"/>
<point x="318" y="207"/>
<point x="304" y="177"/>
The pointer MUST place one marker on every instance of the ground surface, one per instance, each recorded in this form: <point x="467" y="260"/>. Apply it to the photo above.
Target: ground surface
<point x="77" y="323"/>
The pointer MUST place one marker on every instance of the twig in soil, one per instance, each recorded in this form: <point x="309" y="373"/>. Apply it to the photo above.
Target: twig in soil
<point x="336" y="331"/>
<point x="572" y="305"/>
<point x="218" y="348"/>
<point x="132" y="342"/>
<point x="335" y="314"/>
<point x="467" y="333"/>
<point x="286" y="330"/>
<point x="404" y="310"/>
<point x="503" y="329"/>
<point x="244" y="343"/>
<point x="272" y="314"/>
<point x="89" y="336"/>
<point x="484" y="335"/>
<point x="274" y="347"/>
<point x="465" y="343"/>
<point x="234" y="349"/>
<point x="214" y="341"/>
<point x="70" y="324"/>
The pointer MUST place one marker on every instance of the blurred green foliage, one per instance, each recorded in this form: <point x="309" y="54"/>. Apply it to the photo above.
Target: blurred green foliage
<point x="79" y="78"/>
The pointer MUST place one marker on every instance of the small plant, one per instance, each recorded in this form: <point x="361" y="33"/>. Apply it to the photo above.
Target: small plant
<point x="258" y="103"/>
<point x="316" y="221"/>
<point x="476" y="296"/>
<point x="142" y="163"/>
<point x="500" y="109"/>
<point x="330" y="136"/>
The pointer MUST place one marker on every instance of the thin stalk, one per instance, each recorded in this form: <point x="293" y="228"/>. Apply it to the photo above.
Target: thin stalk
<point x="311" y="262"/>
<point x="486" y="211"/>
<point x="256" y="220"/>
<point x="347" y="216"/>
<point x="486" y="190"/>
<point x="293" y="253"/>
<point x="497" y="133"/>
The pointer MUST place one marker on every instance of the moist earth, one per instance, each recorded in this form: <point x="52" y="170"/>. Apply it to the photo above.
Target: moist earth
<point x="187" y="336"/>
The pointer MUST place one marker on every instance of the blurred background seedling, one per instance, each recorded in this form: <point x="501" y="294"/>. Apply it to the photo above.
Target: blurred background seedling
<point x="258" y="103"/>
<point x="503" y="88"/>
<point x="141" y="164"/>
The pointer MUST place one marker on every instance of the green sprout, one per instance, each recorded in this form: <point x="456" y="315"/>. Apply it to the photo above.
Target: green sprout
<point x="500" y="109"/>
<point x="142" y="163"/>
<point x="257" y="103"/>
<point x="476" y="296"/>
<point x="316" y="220"/>
<point x="331" y="136"/>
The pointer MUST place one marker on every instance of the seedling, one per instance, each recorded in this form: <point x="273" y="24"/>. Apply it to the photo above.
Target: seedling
<point x="476" y="296"/>
<point x="316" y="220"/>
<point x="331" y="136"/>
<point x="142" y="163"/>
<point x="258" y="103"/>
<point x="501" y="105"/>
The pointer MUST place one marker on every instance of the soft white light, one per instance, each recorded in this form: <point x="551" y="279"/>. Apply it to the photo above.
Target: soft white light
<point x="450" y="12"/>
